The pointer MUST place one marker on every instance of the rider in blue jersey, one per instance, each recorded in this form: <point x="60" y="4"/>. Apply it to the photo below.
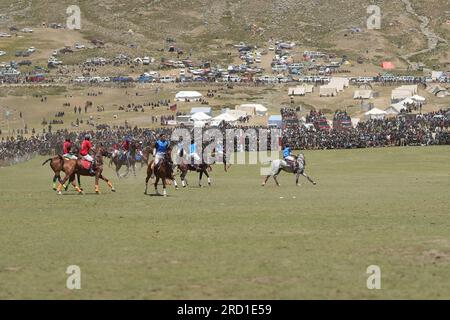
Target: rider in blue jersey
<point x="160" y="149"/>
<point x="289" y="157"/>
<point x="195" y="159"/>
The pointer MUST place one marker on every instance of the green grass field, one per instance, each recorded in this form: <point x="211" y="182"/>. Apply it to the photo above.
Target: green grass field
<point x="388" y="207"/>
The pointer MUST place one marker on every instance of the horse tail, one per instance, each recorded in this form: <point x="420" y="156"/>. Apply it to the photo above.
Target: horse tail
<point x="47" y="161"/>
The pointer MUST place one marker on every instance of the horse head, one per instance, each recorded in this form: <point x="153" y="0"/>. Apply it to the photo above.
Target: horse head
<point x="102" y="151"/>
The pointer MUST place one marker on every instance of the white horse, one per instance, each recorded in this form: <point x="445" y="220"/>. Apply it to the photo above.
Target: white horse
<point x="281" y="165"/>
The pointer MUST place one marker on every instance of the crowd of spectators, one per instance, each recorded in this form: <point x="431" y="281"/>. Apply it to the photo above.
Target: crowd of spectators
<point x="423" y="129"/>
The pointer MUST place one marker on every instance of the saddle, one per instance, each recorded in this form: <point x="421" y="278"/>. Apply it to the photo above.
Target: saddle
<point x="292" y="164"/>
<point x="86" y="164"/>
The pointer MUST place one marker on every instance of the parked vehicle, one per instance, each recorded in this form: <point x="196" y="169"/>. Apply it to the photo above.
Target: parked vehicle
<point x="24" y="63"/>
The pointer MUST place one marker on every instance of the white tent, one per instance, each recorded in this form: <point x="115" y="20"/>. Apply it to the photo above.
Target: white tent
<point x="418" y="98"/>
<point x="403" y="92"/>
<point x="260" y="110"/>
<point x="297" y="91"/>
<point x="396" y="108"/>
<point x="236" y="113"/>
<point x="327" y="91"/>
<point x="355" y="122"/>
<point x="188" y="95"/>
<point x="375" y="113"/>
<point x="200" y="116"/>
<point x="225" y="117"/>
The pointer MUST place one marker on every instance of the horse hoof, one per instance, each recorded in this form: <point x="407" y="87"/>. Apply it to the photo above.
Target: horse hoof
<point x="59" y="193"/>
<point x="113" y="190"/>
<point x="314" y="183"/>
<point x="54" y="189"/>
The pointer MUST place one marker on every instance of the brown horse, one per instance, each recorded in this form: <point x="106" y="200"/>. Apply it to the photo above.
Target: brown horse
<point x="125" y="159"/>
<point x="202" y="168"/>
<point x="58" y="164"/>
<point x="76" y="167"/>
<point x="163" y="171"/>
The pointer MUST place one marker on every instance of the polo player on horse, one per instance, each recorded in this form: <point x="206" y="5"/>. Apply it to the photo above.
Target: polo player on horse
<point x="290" y="158"/>
<point x="159" y="151"/>
<point x="86" y="146"/>
<point x="67" y="150"/>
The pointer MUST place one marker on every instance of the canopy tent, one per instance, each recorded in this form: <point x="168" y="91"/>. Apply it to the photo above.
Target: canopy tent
<point x="206" y="110"/>
<point x="200" y="116"/>
<point x="418" y="98"/>
<point x="188" y="96"/>
<point x="355" y="122"/>
<point x="259" y="109"/>
<point x="248" y="109"/>
<point x="396" y="108"/>
<point x="237" y="113"/>
<point x="339" y="83"/>
<point x="297" y="91"/>
<point x="225" y="117"/>
<point x="326" y="91"/>
<point x="375" y="113"/>
<point x="403" y="92"/>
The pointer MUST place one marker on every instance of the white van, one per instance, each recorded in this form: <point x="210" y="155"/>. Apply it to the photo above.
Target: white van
<point x="167" y="79"/>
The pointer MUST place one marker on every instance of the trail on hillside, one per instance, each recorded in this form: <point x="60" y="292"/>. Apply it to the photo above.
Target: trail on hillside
<point x="432" y="38"/>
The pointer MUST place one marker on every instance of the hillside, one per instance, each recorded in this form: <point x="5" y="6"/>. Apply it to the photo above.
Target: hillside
<point x="208" y="26"/>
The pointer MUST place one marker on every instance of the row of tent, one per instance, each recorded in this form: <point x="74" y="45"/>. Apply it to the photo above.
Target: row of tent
<point x="395" y="108"/>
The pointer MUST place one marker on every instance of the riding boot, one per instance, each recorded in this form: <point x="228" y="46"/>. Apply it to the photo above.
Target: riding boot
<point x="92" y="168"/>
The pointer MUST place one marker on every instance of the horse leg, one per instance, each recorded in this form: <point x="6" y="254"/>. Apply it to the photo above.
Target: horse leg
<point x="97" y="189"/>
<point x="156" y="184"/>
<point x="164" y="187"/>
<point x="182" y="176"/>
<point x="74" y="184"/>
<point x="275" y="177"/>
<point x="309" y="179"/>
<point x="175" y="183"/>
<point x="62" y="182"/>
<point x="146" y="183"/>
<point x="297" y="175"/>
<point x="55" y="178"/>
<point x="209" y="179"/>
<point x="200" y="179"/>
<point x="117" y="170"/>
<point x="265" y="180"/>
<point x="79" y="181"/>
<point x="108" y="182"/>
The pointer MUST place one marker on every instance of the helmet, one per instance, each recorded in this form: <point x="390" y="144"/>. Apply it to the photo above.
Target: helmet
<point x="87" y="137"/>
